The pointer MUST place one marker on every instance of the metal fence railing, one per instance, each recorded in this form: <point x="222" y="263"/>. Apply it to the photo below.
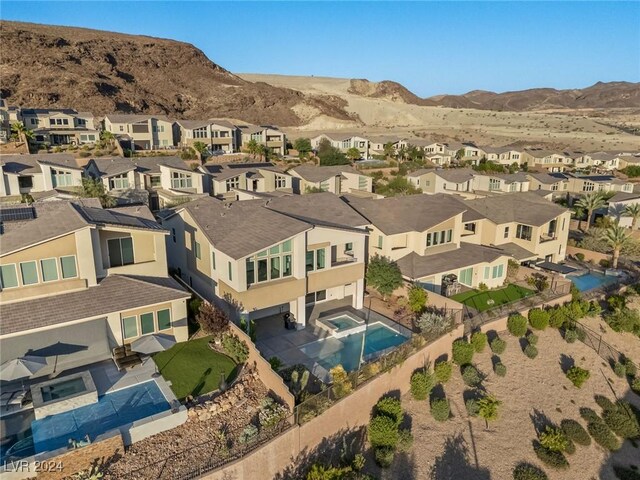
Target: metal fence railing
<point x="595" y="341"/>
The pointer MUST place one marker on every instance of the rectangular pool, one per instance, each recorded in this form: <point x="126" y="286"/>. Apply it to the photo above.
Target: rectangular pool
<point x="591" y="280"/>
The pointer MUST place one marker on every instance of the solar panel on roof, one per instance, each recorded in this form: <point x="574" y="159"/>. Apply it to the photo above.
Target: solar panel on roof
<point x="8" y="214"/>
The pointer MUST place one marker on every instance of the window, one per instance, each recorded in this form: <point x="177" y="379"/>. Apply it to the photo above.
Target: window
<point x="60" y="178"/>
<point x="130" y="327"/>
<point x="466" y="276"/>
<point x="230" y="271"/>
<point x="487" y="271"/>
<point x="180" y="180"/>
<point x="470" y="227"/>
<point x="379" y="241"/>
<point x="314" y="297"/>
<point x="281" y="182"/>
<point x="29" y="271"/>
<point x="494" y="184"/>
<point x="523" y="232"/>
<point x="213" y="260"/>
<point x="25" y="182"/>
<point x="119" y="182"/>
<point x="551" y="232"/>
<point x="270" y="264"/>
<point x="155" y="181"/>
<point x="200" y="132"/>
<point x="120" y="251"/>
<point x="147" y="324"/>
<point x="196" y="249"/>
<point x="68" y="266"/>
<point x="348" y="247"/>
<point x="362" y="182"/>
<point x="506" y="232"/>
<point x="588" y="186"/>
<point x="256" y="136"/>
<point x="173" y="235"/>
<point x="275" y="267"/>
<point x="251" y="272"/>
<point x="49" y="267"/>
<point x="497" y="271"/>
<point x="513" y="187"/>
<point x="315" y="259"/>
<point x="437" y="238"/>
<point x="233" y="183"/>
<point x="164" y="319"/>
<point x="8" y="276"/>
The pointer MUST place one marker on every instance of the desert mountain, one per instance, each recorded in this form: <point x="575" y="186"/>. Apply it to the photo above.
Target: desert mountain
<point x="102" y="72"/>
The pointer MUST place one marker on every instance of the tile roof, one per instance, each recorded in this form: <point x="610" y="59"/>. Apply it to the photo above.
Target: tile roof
<point x="547" y="178"/>
<point x="314" y="174"/>
<point x="523" y="207"/>
<point x="416" y="266"/>
<point x="455" y="175"/>
<point x="413" y="213"/>
<point x="24" y="164"/>
<point x="623" y="197"/>
<point x="133" y="118"/>
<point x="518" y="252"/>
<point x="114" y="293"/>
<point x="109" y="166"/>
<point x="223" y="171"/>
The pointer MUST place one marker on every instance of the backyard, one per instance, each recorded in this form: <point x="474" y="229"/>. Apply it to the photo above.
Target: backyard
<point x="485" y="300"/>
<point x="193" y="368"/>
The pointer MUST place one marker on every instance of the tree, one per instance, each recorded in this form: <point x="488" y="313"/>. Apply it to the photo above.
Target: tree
<point x="616" y="237"/>
<point x="398" y="186"/>
<point x="200" y="147"/>
<point x="460" y="154"/>
<point x="253" y="147"/>
<point x="383" y="275"/>
<point x="212" y="320"/>
<point x="330" y="155"/>
<point x="94" y="188"/>
<point x="23" y="134"/>
<point x="388" y="150"/>
<point x="591" y="202"/>
<point x="632" y="210"/>
<point x="488" y="408"/>
<point x="417" y="298"/>
<point x="303" y="146"/>
<point x="353" y="154"/>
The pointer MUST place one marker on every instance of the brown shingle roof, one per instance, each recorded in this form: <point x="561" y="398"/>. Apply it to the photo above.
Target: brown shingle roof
<point x="319" y="174"/>
<point x="525" y="207"/>
<point x="455" y="175"/>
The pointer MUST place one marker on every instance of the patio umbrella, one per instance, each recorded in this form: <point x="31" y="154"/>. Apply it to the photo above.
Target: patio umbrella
<point x="154" y="343"/>
<point x="21" y="367"/>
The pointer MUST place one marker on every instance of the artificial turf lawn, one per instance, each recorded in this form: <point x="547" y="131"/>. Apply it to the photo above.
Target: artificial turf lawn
<point x="478" y="300"/>
<point x="193" y="368"/>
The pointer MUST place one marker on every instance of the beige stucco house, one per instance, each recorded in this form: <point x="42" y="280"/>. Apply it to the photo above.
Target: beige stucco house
<point x="141" y="132"/>
<point x="548" y="160"/>
<point x="618" y="203"/>
<point x="449" y="180"/>
<point x="581" y="184"/>
<point x="218" y="135"/>
<point x="59" y="126"/>
<point x="344" y="142"/>
<point x="503" y="155"/>
<point x="267" y="135"/>
<point x="338" y="179"/>
<point x="228" y="180"/>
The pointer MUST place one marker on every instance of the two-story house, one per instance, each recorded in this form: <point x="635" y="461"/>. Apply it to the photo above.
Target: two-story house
<point x="548" y="160"/>
<point x="617" y="208"/>
<point x="580" y="184"/>
<point x="263" y="257"/>
<point x="59" y="126"/>
<point x="36" y="174"/>
<point x="503" y="155"/>
<point x="338" y="179"/>
<point x="269" y="136"/>
<point x="555" y="183"/>
<point x="228" y="179"/>
<point x="217" y="135"/>
<point x="344" y="142"/>
<point x="507" y="183"/>
<point x="446" y="180"/>
<point x="74" y="274"/>
<point x="141" y="132"/>
<point x="424" y="235"/>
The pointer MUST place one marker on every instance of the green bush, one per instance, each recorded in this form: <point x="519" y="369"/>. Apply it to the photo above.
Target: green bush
<point x="517" y="325"/>
<point x="620" y="369"/>
<point x="570" y="335"/>
<point x="472" y="407"/>
<point x="383" y="432"/>
<point x="604" y="403"/>
<point x="570" y="448"/>
<point x="557" y="317"/>
<point x="462" y="352"/>
<point x="630" y="367"/>
<point x="498" y="346"/>
<point x="275" y="363"/>
<point x="390" y="407"/>
<point x="575" y="432"/>
<point x="384" y="456"/>
<point x="538" y="318"/>
<point x="405" y="440"/>
<point x="526" y="471"/>
<point x="531" y="351"/>
<point x="554" y="439"/>
<point x="440" y="409"/>
<point x="442" y="371"/>
<point x="580" y="256"/>
<point x="532" y="338"/>
<point x="235" y="348"/>
<point x="578" y="376"/>
<point x="602" y="434"/>
<point x="635" y="385"/>
<point x="500" y="369"/>
<point x="551" y="458"/>
<point x="471" y="376"/>
<point x="624" y="320"/>
<point x="479" y="341"/>
<point x="621" y="419"/>
<point x="422" y="382"/>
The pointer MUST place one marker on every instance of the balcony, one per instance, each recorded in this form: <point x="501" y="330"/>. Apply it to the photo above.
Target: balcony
<point x="547" y="238"/>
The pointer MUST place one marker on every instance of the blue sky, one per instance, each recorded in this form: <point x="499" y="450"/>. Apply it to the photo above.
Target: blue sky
<point x="430" y="47"/>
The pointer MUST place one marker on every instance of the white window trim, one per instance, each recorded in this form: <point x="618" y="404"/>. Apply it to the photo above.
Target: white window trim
<point x="37" y="273"/>
<point x="15" y="269"/>
<point x="55" y="260"/>
<point x="75" y="261"/>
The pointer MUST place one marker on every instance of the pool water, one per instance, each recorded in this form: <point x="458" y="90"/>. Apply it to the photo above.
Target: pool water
<point x="591" y="280"/>
<point x="343" y="322"/>
<point x="63" y="389"/>
<point x="347" y="351"/>
<point x="111" y="411"/>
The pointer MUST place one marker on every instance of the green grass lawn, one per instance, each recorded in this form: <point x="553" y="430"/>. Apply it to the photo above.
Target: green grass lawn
<point x="193" y="368"/>
<point x="478" y="300"/>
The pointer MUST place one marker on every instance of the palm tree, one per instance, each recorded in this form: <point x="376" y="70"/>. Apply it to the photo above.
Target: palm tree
<point x="388" y="150"/>
<point x="22" y="132"/>
<point x="617" y="237"/>
<point x="488" y="408"/>
<point x="632" y="210"/>
<point x="591" y="202"/>
<point x="253" y="147"/>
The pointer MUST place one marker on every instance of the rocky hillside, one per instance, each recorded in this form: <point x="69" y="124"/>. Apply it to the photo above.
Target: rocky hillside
<point x="49" y="66"/>
<point x="387" y="90"/>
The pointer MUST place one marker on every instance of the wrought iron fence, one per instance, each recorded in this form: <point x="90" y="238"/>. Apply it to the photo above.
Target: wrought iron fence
<point x="595" y="341"/>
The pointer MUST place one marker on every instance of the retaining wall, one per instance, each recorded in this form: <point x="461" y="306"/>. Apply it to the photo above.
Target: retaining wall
<point x="589" y="255"/>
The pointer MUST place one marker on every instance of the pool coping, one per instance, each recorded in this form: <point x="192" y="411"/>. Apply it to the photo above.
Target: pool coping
<point x="322" y="322"/>
<point x="43" y="409"/>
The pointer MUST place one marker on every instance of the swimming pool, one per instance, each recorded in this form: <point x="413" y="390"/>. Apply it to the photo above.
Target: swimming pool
<point x="347" y="351"/>
<point x="591" y="280"/>
<point x="343" y="322"/>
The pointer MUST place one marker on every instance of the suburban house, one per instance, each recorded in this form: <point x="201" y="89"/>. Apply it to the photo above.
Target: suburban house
<point x="338" y="179"/>
<point x="524" y="224"/>
<point x="141" y="132"/>
<point x="627" y="160"/>
<point x="600" y="160"/>
<point x="160" y="182"/>
<point x="59" y="126"/>
<point x="446" y="180"/>
<point x="469" y="151"/>
<point x="503" y="155"/>
<point x="74" y="274"/>
<point x="550" y="182"/>
<point x="546" y="159"/>
<point x="227" y="179"/>
<point x="440" y="159"/>
<point x="503" y="183"/>
<point x="580" y="184"/>
<point x="617" y="205"/>
<point x="267" y="135"/>
<point x="435" y="147"/>
<point x="424" y="235"/>
<point x="218" y="135"/>
<point x="305" y="250"/>
<point x="36" y="174"/>
<point x="344" y="142"/>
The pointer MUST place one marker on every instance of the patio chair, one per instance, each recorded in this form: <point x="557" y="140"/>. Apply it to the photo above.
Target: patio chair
<point x="125" y="358"/>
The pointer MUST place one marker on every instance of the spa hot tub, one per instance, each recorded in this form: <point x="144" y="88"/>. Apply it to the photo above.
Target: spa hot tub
<point x="63" y="394"/>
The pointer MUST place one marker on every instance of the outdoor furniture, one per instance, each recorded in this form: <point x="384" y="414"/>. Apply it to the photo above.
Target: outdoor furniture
<point x="5" y="398"/>
<point x="125" y="358"/>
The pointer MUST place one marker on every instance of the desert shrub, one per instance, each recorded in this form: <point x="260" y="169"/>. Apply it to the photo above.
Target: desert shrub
<point x="383" y="432"/>
<point x="442" y="371"/>
<point x="440" y="409"/>
<point x="531" y="351"/>
<point x="213" y="321"/>
<point x="471" y="376"/>
<point x="235" y="348"/>
<point x="570" y="448"/>
<point x="433" y="323"/>
<point x="462" y="352"/>
<point x="405" y="440"/>
<point x="275" y="363"/>
<point x="621" y="419"/>
<point x="594" y="308"/>
<point x="630" y="367"/>
<point x="417" y="298"/>
<point x="557" y="316"/>
<point x="517" y="325"/>
<point x="552" y="458"/>
<point x="472" y="407"/>
<point x="603" y="402"/>
<point x="248" y="434"/>
<point x="635" y="385"/>
<point x="498" y="346"/>
<point x="602" y="434"/>
<point x="620" y="369"/>
<point x="532" y="338"/>
<point x="538" y="318"/>
<point x="624" y="473"/>
<point x="578" y="376"/>
<point x="271" y="413"/>
<point x="616" y="302"/>
<point x="553" y="438"/>
<point x="500" y="369"/>
<point x="570" y="335"/>
<point x="384" y="456"/>
<point x="390" y="407"/>
<point x="575" y="432"/>
<point x="624" y="320"/>
<point x="526" y="471"/>
<point x="341" y="384"/>
<point x="422" y="382"/>
<point x="479" y="341"/>
<point x="580" y="256"/>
